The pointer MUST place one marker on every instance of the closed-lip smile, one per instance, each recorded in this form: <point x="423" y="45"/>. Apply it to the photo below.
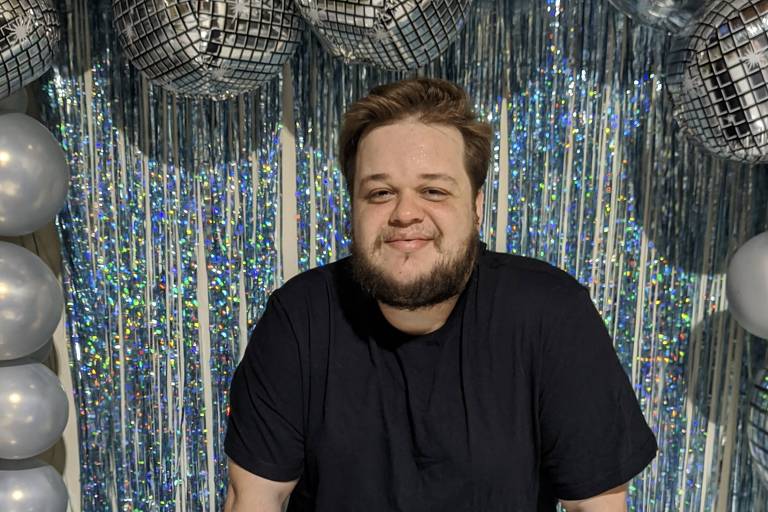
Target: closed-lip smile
<point x="408" y="244"/>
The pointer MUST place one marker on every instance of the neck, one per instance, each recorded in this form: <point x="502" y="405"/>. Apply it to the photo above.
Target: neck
<point x="419" y="321"/>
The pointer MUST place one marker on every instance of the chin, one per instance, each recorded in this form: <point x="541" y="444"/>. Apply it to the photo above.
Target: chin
<point x="410" y="271"/>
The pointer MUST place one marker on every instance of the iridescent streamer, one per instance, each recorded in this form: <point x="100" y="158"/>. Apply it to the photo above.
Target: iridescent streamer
<point x="170" y="242"/>
<point x="168" y="229"/>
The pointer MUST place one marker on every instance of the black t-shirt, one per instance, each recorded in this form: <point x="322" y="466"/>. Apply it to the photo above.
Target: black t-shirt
<point x="517" y="400"/>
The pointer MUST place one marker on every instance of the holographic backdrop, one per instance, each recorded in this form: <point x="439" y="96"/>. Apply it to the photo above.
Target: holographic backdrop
<point x="183" y="215"/>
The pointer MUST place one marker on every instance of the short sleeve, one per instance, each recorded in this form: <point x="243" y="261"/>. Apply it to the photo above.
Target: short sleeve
<point x="264" y="426"/>
<point x="593" y="433"/>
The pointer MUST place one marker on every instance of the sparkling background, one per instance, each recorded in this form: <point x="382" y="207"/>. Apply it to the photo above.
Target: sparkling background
<point x="171" y="238"/>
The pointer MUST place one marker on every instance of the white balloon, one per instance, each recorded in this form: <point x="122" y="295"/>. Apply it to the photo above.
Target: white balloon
<point x="747" y="285"/>
<point x="33" y="409"/>
<point x="34" y="175"/>
<point x="31" y="302"/>
<point x="42" y="354"/>
<point x="31" y="485"/>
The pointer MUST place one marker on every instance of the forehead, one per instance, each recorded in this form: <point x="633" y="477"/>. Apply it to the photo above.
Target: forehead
<point x="406" y="146"/>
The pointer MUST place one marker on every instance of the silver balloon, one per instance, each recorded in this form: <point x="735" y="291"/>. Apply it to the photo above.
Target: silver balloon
<point x="33" y="409"/>
<point x="34" y="175"/>
<point x="757" y="428"/>
<point x="29" y="33"/>
<point x="670" y="15"/>
<point x="392" y="34"/>
<point x="42" y="354"/>
<point x="16" y="102"/>
<point x="718" y="79"/>
<point x="31" y="302"/>
<point x="746" y="285"/>
<point x="217" y="48"/>
<point x="31" y="485"/>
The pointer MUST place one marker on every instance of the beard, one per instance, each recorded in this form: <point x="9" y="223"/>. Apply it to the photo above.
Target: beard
<point x="444" y="280"/>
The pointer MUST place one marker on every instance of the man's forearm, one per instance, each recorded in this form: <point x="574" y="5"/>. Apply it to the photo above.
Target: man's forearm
<point x="614" y="500"/>
<point x="233" y="504"/>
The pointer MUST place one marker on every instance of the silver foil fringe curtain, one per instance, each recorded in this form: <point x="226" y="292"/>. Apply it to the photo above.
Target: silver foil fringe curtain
<point x="173" y="237"/>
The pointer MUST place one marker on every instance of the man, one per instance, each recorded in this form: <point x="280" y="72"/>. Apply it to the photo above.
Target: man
<point x="425" y="372"/>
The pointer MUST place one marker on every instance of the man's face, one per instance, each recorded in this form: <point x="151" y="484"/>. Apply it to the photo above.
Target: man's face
<point x="414" y="220"/>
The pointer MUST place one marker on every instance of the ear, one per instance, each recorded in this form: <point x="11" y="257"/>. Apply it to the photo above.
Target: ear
<point x="479" y="203"/>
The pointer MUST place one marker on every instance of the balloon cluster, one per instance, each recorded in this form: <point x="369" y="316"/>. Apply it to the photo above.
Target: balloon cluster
<point x="221" y="48"/>
<point x="757" y="427"/>
<point x="717" y="76"/>
<point x="33" y="188"/>
<point x="746" y="288"/>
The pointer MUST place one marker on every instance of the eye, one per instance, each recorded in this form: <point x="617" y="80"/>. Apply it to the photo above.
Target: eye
<point x="434" y="192"/>
<point x="378" y="194"/>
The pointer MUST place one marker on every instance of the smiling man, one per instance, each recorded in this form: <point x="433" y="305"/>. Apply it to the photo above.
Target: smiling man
<point x="425" y="372"/>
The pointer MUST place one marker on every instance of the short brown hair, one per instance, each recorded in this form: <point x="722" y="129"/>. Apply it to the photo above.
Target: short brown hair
<point x="429" y="101"/>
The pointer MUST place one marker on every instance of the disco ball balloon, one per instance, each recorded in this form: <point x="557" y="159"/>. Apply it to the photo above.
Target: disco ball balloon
<point x="217" y="48"/>
<point x="757" y="428"/>
<point x="670" y="15"/>
<point x="392" y="34"/>
<point x="718" y="79"/>
<point x="746" y="285"/>
<point x="29" y="33"/>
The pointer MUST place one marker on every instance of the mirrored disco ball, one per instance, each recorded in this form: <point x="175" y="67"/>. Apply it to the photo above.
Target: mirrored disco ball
<point x="671" y="15"/>
<point x="29" y="34"/>
<point x="757" y="429"/>
<point x="718" y="79"/>
<point x="209" y="48"/>
<point x="392" y="34"/>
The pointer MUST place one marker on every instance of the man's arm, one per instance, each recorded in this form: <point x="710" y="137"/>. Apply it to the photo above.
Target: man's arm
<point x="614" y="500"/>
<point x="251" y="493"/>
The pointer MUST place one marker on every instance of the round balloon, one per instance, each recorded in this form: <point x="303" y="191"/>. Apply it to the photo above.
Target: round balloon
<point x="31" y="302"/>
<point x="718" y="79"/>
<point x="35" y="175"/>
<point x="746" y="285"/>
<point x="16" y="102"/>
<point x="31" y="485"/>
<point x="217" y="49"/>
<point x="670" y="15"/>
<point x="42" y="354"/>
<point x="757" y="428"/>
<point x="33" y="409"/>
<point x="392" y="34"/>
<point x="29" y="33"/>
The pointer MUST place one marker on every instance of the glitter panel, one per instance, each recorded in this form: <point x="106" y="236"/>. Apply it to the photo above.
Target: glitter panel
<point x="172" y="229"/>
<point x="168" y="229"/>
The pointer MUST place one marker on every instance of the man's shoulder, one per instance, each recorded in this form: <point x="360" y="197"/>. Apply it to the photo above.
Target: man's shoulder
<point x="531" y="275"/>
<point x="316" y="281"/>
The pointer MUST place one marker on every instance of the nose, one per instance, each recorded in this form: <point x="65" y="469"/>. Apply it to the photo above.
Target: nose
<point x="407" y="210"/>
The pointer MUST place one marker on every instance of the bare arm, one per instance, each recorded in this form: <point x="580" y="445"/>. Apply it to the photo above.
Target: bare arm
<point x="614" y="500"/>
<point x="251" y="493"/>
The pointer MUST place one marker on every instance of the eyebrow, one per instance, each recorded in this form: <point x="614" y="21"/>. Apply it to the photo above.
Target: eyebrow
<point x="424" y="176"/>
